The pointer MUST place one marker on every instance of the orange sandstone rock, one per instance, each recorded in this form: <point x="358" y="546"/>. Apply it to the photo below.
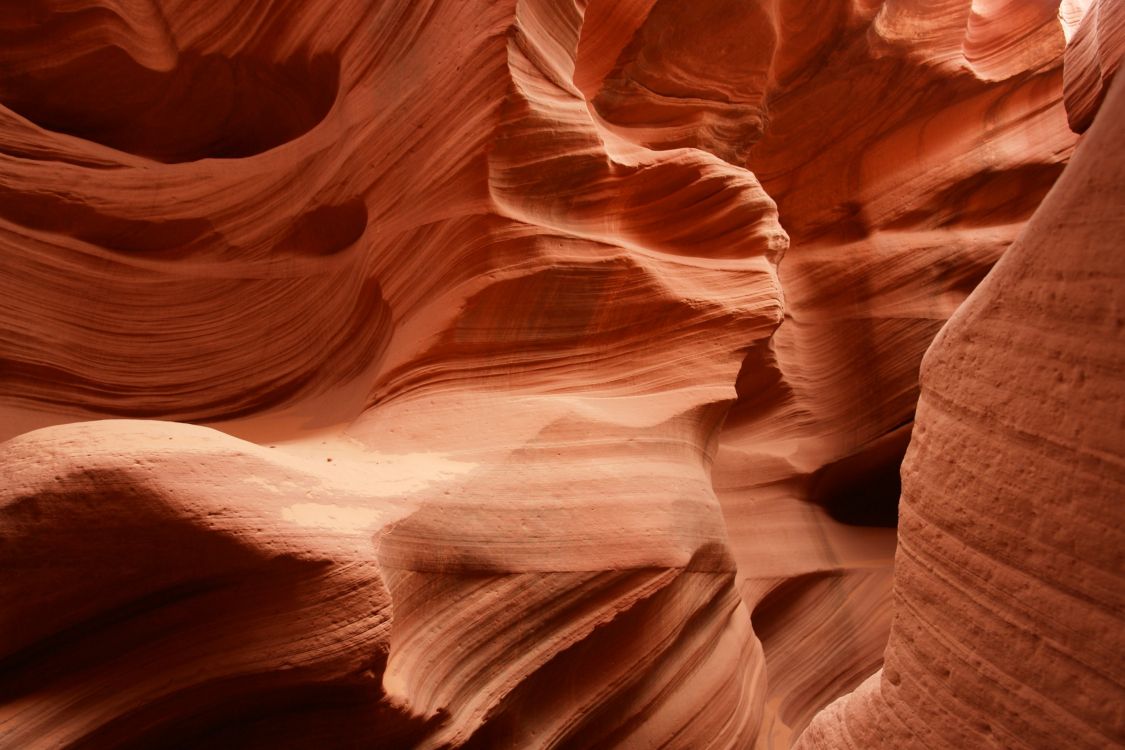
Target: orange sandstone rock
<point x="531" y="373"/>
<point x="1009" y="619"/>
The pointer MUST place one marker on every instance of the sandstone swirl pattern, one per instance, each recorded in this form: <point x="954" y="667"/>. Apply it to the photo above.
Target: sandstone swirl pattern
<point x="518" y="373"/>
<point x="1009" y="609"/>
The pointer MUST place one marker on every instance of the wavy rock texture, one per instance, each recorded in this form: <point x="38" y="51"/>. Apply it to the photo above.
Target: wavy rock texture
<point x="468" y="399"/>
<point x="906" y="147"/>
<point x="1097" y="42"/>
<point x="1009" y="617"/>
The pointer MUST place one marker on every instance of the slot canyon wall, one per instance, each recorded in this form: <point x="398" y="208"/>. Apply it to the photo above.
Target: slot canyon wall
<point x="541" y="374"/>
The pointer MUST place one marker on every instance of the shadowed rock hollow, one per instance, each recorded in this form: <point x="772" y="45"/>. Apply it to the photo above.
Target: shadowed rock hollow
<point x="540" y="373"/>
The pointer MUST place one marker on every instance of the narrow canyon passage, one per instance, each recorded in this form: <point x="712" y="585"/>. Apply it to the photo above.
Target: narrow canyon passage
<point x="562" y="374"/>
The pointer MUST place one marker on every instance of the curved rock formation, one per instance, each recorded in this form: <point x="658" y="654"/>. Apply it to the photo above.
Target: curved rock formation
<point x="1009" y="618"/>
<point x="460" y="278"/>
<point x="901" y="172"/>
<point x="531" y="373"/>
<point x="1093" y="55"/>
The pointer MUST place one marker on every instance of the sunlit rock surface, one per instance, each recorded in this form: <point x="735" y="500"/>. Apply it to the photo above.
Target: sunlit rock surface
<point x="537" y="373"/>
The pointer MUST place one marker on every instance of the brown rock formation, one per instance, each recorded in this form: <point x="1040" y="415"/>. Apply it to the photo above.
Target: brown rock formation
<point x="1009" y="623"/>
<point x="469" y="401"/>
<point x="1093" y="55"/>
<point x="901" y="173"/>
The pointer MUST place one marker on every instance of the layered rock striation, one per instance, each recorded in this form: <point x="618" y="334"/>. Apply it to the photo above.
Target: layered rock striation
<point x="537" y="373"/>
<point x="1008" y="612"/>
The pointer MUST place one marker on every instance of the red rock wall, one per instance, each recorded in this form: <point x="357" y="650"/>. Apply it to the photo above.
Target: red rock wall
<point x="504" y="374"/>
<point x="1009" y="620"/>
<point x="902" y="170"/>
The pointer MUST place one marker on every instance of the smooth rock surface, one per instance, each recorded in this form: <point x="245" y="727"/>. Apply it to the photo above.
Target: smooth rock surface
<point x="537" y="373"/>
